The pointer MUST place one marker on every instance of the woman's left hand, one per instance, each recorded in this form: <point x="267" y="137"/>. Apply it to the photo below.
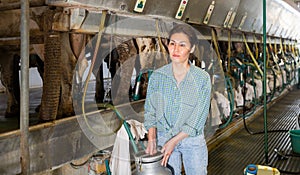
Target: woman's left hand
<point x="167" y="149"/>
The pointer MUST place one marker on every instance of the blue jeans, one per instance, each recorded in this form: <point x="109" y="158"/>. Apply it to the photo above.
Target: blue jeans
<point x="192" y="151"/>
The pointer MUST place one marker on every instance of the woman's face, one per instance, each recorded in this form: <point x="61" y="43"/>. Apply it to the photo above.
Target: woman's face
<point x="179" y="48"/>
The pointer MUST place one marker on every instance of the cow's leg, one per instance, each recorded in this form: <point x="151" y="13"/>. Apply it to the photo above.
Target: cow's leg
<point x="10" y="80"/>
<point x="121" y="81"/>
<point x="68" y="60"/>
<point x="100" y="91"/>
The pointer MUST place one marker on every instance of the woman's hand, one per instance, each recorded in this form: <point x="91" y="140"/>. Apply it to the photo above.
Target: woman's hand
<point x="167" y="149"/>
<point x="151" y="147"/>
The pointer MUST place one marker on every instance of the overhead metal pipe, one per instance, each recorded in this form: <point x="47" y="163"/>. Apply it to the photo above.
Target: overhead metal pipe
<point x="265" y="82"/>
<point x="24" y="99"/>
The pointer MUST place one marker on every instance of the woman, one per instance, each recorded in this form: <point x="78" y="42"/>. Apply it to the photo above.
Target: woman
<point x="177" y="105"/>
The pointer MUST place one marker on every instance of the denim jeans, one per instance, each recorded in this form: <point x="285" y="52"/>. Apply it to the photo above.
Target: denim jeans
<point x="192" y="151"/>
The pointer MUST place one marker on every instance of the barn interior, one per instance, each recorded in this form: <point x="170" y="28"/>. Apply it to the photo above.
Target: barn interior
<point x="72" y="71"/>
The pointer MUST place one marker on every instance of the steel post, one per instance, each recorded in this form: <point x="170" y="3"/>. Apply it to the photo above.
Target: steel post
<point x="265" y="82"/>
<point x="24" y="99"/>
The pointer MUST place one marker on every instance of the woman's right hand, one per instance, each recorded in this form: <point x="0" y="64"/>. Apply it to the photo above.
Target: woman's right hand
<point x="151" y="147"/>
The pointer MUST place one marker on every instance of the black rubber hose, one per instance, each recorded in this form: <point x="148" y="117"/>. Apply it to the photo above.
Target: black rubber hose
<point x="244" y="111"/>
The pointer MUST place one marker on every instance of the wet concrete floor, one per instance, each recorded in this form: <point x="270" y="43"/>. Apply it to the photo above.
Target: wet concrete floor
<point x="9" y="124"/>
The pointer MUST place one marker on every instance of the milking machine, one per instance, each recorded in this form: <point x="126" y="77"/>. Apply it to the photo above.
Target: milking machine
<point x="136" y="95"/>
<point x="244" y="72"/>
<point x="287" y="65"/>
<point x="98" y="163"/>
<point x="138" y="85"/>
<point x="230" y="96"/>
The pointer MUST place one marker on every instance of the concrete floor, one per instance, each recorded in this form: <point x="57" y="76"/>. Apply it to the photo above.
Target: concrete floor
<point x="241" y="149"/>
<point x="9" y="124"/>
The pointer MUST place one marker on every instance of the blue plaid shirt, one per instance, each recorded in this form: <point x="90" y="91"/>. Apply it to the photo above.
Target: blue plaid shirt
<point x="173" y="108"/>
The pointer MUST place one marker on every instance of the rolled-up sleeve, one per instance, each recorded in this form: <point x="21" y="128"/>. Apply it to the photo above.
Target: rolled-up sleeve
<point x="150" y="106"/>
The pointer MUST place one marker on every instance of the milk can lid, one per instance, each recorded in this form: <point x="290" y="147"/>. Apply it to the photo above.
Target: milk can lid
<point x="147" y="158"/>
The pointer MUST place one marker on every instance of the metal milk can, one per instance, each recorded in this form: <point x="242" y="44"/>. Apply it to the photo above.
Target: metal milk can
<point x="150" y="164"/>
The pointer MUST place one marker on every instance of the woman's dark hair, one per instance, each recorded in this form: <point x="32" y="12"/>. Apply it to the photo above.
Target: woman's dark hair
<point x="187" y="30"/>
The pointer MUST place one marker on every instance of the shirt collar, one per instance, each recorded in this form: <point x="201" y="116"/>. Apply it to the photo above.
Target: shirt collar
<point x="169" y="72"/>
